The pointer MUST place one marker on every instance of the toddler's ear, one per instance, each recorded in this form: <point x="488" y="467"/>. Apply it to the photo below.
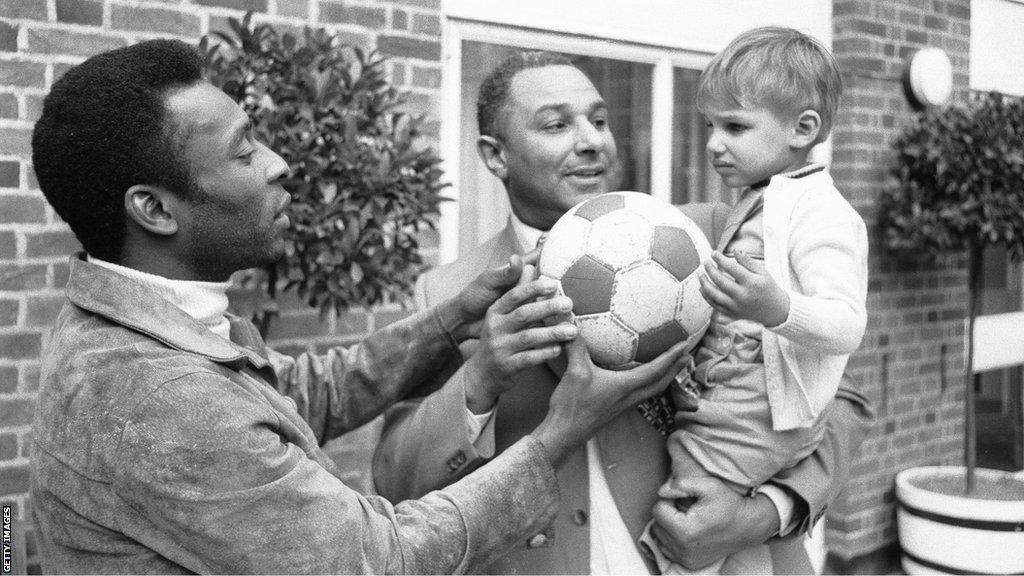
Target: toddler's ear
<point x="806" y="129"/>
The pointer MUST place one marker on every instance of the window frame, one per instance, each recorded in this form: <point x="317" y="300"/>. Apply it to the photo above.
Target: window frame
<point x="456" y="30"/>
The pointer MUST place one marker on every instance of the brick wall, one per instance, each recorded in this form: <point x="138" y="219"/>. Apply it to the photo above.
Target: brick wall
<point x="911" y="358"/>
<point x="39" y="41"/>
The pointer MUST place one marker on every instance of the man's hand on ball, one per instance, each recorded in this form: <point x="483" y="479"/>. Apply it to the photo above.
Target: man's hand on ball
<point x="463" y="314"/>
<point x="741" y="288"/>
<point x="513" y="336"/>
<point x="588" y="397"/>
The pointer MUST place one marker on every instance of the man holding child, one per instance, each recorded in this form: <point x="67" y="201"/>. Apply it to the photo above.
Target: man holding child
<point x="545" y="135"/>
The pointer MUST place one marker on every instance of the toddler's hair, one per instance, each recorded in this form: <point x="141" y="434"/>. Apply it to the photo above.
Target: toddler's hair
<point x="781" y="69"/>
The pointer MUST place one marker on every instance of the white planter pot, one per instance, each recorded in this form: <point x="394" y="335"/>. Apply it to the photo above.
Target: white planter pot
<point x="944" y="534"/>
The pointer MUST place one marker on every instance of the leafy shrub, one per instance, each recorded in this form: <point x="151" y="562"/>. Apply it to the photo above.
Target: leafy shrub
<point x="959" y="180"/>
<point x="362" y="184"/>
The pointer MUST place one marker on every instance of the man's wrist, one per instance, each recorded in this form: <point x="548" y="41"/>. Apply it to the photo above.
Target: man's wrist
<point x="479" y="398"/>
<point x="453" y="319"/>
<point x="479" y="402"/>
<point x="557" y="443"/>
<point x="480" y="429"/>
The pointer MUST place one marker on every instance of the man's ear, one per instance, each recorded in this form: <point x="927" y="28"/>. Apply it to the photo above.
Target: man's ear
<point x="805" y="129"/>
<point x="150" y="207"/>
<point x="492" y="152"/>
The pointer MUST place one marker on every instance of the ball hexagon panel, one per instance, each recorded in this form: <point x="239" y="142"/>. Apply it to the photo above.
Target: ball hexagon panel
<point x="674" y="250"/>
<point x="652" y="343"/>
<point x="610" y="342"/>
<point x="620" y="238"/>
<point x="692" y="311"/>
<point x="589" y="284"/>
<point x="600" y="205"/>
<point x="644" y="296"/>
<point x="563" y="246"/>
<point x="700" y="241"/>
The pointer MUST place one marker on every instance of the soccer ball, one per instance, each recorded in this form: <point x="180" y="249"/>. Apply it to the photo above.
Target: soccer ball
<point x="629" y="263"/>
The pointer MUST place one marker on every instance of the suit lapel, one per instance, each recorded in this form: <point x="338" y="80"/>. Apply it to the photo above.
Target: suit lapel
<point x="635" y="464"/>
<point x="506" y="246"/>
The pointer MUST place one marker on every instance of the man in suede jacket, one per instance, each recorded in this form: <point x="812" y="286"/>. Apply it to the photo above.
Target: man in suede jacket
<point x="170" y="439"/>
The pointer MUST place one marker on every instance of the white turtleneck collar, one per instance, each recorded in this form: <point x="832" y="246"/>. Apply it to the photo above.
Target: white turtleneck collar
<point x="205" y="302"/>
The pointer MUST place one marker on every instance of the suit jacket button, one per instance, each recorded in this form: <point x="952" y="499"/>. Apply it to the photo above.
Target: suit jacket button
<point x="537" y="541"/>
<point x="579" y="517"/>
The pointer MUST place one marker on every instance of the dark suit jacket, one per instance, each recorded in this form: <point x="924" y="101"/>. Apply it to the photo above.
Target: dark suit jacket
<point x="425" y="445"/>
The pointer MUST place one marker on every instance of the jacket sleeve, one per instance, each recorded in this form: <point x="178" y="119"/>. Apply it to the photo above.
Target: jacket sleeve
<point x="220" y="488"/>
<point x="425" y="444"/>
<point x="817" y="480"/>
<point x="347" y="387"/>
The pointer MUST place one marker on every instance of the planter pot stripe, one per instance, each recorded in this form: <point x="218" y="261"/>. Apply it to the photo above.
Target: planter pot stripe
<point x="959" y="549"/>
<point x="943" y="533"/>
<point x="939" y="567"/>
<point x="991" y="525"/>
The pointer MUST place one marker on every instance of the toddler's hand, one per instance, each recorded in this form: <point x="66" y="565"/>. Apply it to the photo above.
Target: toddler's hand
<point x="743" y="289"/>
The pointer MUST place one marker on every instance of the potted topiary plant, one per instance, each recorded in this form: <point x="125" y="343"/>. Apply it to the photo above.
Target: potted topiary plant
<point x="959" y="188"/>
<point x="363" y="184"/>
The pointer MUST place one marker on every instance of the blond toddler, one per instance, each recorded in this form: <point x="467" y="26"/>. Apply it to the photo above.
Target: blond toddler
<point x="788" y="281"/>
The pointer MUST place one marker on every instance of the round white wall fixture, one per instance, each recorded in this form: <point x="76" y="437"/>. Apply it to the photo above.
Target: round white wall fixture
<point x="930" y="77"/>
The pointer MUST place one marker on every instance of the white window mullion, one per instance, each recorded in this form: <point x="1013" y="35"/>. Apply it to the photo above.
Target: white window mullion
<point x="451" y="94"/>
<point x="661" y="130"/>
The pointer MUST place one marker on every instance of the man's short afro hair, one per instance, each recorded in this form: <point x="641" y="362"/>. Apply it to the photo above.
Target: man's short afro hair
<point x="494" y="91"/>
<point x="104" y="128"/>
